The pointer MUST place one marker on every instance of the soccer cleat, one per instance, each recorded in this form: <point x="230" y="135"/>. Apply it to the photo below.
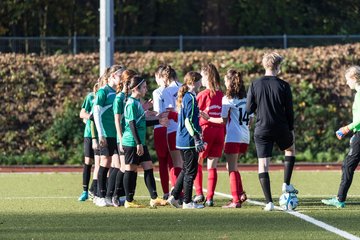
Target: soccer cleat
<point x="333" y="202"/>
<point x="173" y="202"/>
<point x="122" y="200"/>
<point x="269" y="207"/>
<point x="289" y="189"/>
<point x="84" y="196"/>
<point x="243" y="197"/>
<point x="91" y="195"/>
<point x="232" y="205"/>
<point x="199" y="199"/>
<point x="209" y="203"/>
<point x="192" y="205"/>
<point x="115" y="201"/>
<point x="158" y="202"/>
<point x="108" y="201"/>
<point x="133" y="204"/>
<point x="95" y="199"/>
<point x="100" y="202"/>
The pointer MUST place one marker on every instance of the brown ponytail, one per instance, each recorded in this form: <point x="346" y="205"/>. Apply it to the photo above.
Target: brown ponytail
<point x="236" y="88"/>
<point x="168" y="73"/>
<point x="189" y="79"/>
<point x="125" y="78"/>
<point x="213" y="78"/>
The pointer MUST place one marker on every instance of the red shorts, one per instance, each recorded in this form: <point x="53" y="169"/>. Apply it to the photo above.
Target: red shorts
<point x="171" y="141"/>
<point x="160" y="141"/>
<point x="214" y="137"/>
<point x="235" y="148"/>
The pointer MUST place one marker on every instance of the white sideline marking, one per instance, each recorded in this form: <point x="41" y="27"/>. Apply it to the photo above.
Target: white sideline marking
<point x="304" y="217"/>
<point x="74" y="197"/>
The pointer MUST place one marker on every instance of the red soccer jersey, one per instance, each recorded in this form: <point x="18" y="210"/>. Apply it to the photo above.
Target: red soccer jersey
<point x="210" y="105"/>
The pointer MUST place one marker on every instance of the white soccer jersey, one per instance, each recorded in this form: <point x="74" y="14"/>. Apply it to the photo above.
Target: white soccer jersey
<point x="170" y="95"/>
<point x="237" y="126"/>
<point x="158" y="99"/>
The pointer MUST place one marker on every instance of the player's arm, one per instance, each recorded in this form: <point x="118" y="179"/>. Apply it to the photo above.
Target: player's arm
<point x="219" y="120"/>
<point x="250" y="102"/>
<point x="98" y="109"/>
<point x="289" y="108"/>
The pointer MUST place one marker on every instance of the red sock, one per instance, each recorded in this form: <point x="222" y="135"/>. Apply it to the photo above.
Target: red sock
<point x="172" y="177"/>
<point x="198" y="181"/>
<point x="234" y="186"/>
<point x="239" y="182"/>
<point x="164" y="174"/>
<point x="212" y="180"/>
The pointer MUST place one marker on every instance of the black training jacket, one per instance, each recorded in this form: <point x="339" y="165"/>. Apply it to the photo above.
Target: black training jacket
<point x="270" y="97"/>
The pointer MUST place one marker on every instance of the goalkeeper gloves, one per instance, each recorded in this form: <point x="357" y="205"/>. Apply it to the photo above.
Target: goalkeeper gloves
<point x="200" y="145"/>
<point x="342" y="132"/>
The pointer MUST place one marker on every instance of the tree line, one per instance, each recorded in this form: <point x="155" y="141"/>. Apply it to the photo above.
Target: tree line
<point x="180" y="17"/>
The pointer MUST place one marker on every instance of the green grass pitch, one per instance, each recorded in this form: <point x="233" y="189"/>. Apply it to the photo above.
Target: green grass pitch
<point x="45" y="206"/>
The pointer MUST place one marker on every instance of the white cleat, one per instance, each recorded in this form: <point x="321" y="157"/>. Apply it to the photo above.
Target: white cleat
<point x="269" y="207"/>
<point x="192" y="205"/>
<point x="173" y="202"/>
<point x="289" y="189"/>
<point x="100" y="202"/>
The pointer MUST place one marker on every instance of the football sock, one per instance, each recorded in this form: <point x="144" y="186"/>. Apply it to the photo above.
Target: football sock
<point x="172" y="176"/>
<point x="212" y="180"/>
<point x="102" y="181"/>
<point x="129" y="182"/>
<point x="164" y="174"/>
<point x="111" y="182"/>
<point x="91" y="189"/>
<point x="150" y="182"/>
<point x="234" y="186"/>
<point x="198" y="181"/>
<point x="86" y="176"/>
<point x="95" y="182"/>
<point x="239" y="182"/>
<point x="119" y="184"/>
<point x="265" y="185"/>
<point x="288" y="168"/>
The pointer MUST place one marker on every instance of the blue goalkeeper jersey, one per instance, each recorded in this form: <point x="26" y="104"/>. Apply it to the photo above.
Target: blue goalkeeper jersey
<point x="189" y="110"/>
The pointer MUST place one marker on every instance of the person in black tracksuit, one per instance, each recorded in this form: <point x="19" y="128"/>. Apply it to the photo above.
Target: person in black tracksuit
<point x="271" y="98"/>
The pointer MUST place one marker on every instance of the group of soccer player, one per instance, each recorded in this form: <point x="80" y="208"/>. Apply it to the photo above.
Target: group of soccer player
<point x="189" y="127"/>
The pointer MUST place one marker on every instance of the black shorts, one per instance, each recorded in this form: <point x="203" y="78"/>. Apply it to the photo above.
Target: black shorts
<point x="131" y="156"/>
<point x="264" y="144"/>
<point x="88" y="150"/>
<point x="110" y="149"/>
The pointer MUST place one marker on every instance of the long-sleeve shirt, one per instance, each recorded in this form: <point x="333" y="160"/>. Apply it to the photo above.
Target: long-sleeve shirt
<point x="355" y="125"/>
<point x="271" y="98"/>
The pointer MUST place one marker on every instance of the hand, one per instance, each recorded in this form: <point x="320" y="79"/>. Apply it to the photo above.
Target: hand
<point x="139" y="149"/>
<point x="164" y="121"/>
<point x="204" y="115"/>
<point x="150" y="113"/>
<point x="102" y="142"/>
<point x="147" y="105"/>
<point x="120" y="147"/>
<point x="200" y="145"/>
<point x="342" y="132"/>
<point x="95" y="144"/>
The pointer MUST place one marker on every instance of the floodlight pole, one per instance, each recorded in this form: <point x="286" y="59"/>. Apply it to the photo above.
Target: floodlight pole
<point x="106" y="34"/>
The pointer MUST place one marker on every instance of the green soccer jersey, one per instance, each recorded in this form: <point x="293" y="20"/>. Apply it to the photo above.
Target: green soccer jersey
<point x="88" y="106"/>
<point x="134" y="111"/>
<point x="119" y="105"/>
<point x="104" y="102"/>
<point x="355" y="125"/>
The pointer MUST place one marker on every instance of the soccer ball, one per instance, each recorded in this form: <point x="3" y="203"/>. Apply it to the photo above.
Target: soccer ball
<point x="288" y="201"/>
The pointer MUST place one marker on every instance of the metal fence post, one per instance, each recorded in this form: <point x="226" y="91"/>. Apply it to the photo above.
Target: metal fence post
<point x="74" y="44"/>
<point x="181" y="43"/>
<point x="285" y="41"/>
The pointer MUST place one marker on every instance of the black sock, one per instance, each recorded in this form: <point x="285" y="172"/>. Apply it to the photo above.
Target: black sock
<point x="111" y="183"/>
<point x="150" y="183"/>
<point x="86" y="176"/>
<point x="91" y="189"/>
<point x="288" y="168"/>
<point x="95" y="190"/>
<point x="102" y="181"/>
<point x="119" y="184"/>
<point x="265" y="185"/>
<point x="129" y="182"/>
